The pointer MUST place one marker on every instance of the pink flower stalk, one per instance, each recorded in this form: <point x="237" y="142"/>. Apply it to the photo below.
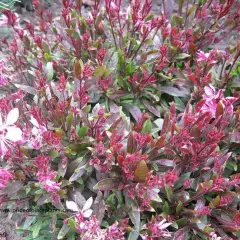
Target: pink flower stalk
<point x="51" y="186"/>
<point x="207" y="57"/>
<point x="225" y="200"/>
<point x="157" y="230"/>
<point x="3" y="78"/>
<point x="9" y="133"/>
<point x="203" y="211"/>
<point x="170" y="178"/>
<point x="5" y="177"/>
<point x="45" y="175"/>
<point x="129" y="164"/>
<point x="37" y="133"/>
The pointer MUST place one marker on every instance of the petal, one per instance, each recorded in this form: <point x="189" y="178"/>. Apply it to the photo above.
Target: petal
<point x="14" y="134"/>
<point x="88" y="213"/>
<point x="12" y="116"/>
<point x="72" y="206"/>
<point x="34" y="122"/>
<point x="88" y="204"/>
<point x="3" y="148"/>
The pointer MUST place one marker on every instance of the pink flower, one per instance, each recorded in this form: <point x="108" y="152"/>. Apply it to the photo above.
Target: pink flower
<point x="203" y="211"/>
<point x="202" y="56"/>
<point x="213" y="97"/>
<point x="8" y="132"/>
<point x="37" y="133"/>
<point x="3" y="78"/>
<point x="207" y="57"/>
<point x="5" y="177"/>
<point x="51" y="186"/>
<point x="157" y="229"/>
<point x="9" y="18"/>
<point x="3" y="21"/>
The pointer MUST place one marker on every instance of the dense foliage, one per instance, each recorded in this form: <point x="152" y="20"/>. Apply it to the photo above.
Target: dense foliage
<point x="122" y="124"/>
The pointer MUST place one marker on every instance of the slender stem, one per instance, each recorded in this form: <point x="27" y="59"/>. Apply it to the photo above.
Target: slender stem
<point x="228" y="79"/>
<point x="113" y="34"/>
<point x="220" y="76"/>
<point x="185" y="22"/>
<point x="199" y="230"/>
<point x="139" y="47"/>
<point x="164" y="9"/>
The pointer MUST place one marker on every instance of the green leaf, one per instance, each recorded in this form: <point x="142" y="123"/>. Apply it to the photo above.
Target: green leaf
<point x="82" y="131"/>
<point x="214" y="202"/>
<point x="169" y="193"/>
<point x="130" y="68"/>
<point x="71" y="236"/>
<point x="181" y="222"/>
<point x="64" y="230"/>
<point x="49" y="71"/>
<point x="147" y="126"/>
<point x="47" y="56"/>
<point x="166" y="208"/>
<point x="72" y="224"/>
<point x="179" y="207"/>
<point x="102" y="71"/>
<point x="99" y="71"/>
<point x="53" y="154"/>
<point x="69" y="120"/>
<point x="36" y="228"/>
<point x="121" y="60"/>
<point x="176" y="21"/>
<point x="182" y="56"/>
<point x="45" y="47"/>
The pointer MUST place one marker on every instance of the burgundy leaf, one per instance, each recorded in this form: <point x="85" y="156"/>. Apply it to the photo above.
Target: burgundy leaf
<point x="106" y="184"/>
<point x="135" y="111"/>
<point x="181" y="234"/>
<point x="151" y="109"/>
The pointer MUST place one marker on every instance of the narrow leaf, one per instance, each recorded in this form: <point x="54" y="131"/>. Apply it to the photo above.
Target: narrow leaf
<point x="63" y="232"/>
<point x="147" y="126"/>
<point x="181" y="234"/>
<point x="49" y="71"/>
<point x="106" y="184"/>
<point x="141" y="171"/>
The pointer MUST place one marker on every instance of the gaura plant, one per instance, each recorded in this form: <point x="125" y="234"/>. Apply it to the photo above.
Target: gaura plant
<point x="122" y="124"/>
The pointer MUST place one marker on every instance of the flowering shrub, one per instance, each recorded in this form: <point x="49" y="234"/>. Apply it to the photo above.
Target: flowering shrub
<point x="122" y="124"/>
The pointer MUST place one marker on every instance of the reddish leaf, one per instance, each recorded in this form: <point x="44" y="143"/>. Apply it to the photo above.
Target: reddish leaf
<point x="165" y="162"/>
<point x="131" y="144"/>
<point x="135" y="111"/>
<point x="219" y="110"/>
<point x="181" y="234"/>
<point x="141" y="171"/>
<point x="173" y="111"/>
<point x="77" y="69"/>
<point x="195" y="132"/>
<point x="151" y="109"/>
<point x="160" y="141"/>
<point x="106" y="184"/>
<point x="165" y="124"/>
